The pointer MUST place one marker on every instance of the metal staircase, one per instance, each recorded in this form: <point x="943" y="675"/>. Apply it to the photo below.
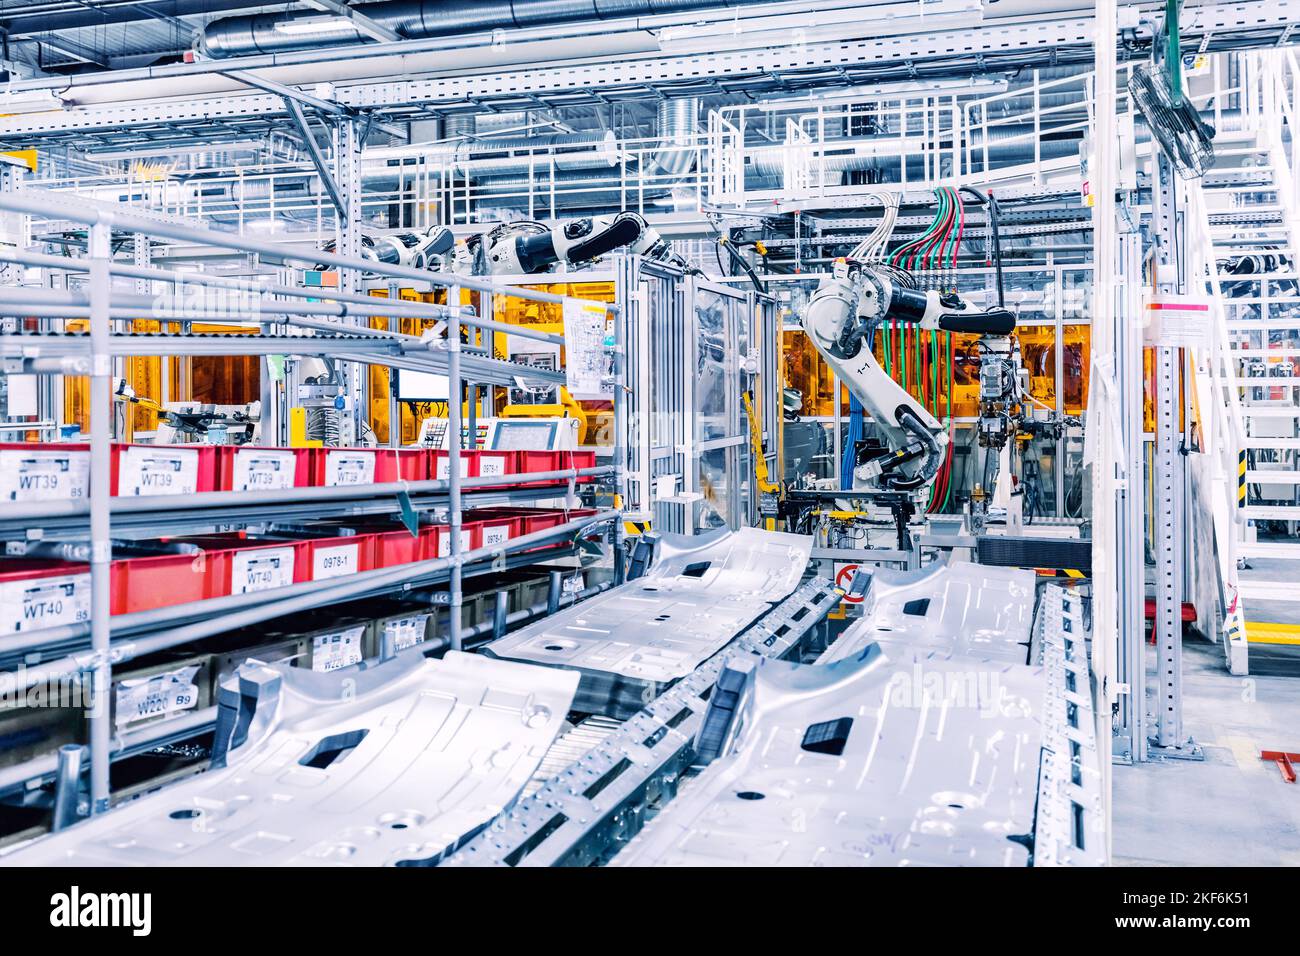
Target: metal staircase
<point x="1242" y="221"/>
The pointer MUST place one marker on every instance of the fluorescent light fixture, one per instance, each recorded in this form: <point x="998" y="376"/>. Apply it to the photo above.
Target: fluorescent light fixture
<point x="29" y="101"/>
<point x="863" y="22"/>
<point x="316" y="26"/>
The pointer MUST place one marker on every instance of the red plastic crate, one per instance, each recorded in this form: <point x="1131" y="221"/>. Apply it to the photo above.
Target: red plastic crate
<point x="531" y="462"/>
<point x="404" y="464"/>
<point x="579" y="459"/>
<point x="492" y="463"/>
<point x="440" y="467"/>
<point x="33" y="472"/>
<point x="494" y="530"/>
<point x="253" y="468"/>
<point x="235" y="565"/>
<point x="471" y="537"/>
<point x="340" y="556"/>
<point x="145" y="583"/>
<point x="392" y="548"/>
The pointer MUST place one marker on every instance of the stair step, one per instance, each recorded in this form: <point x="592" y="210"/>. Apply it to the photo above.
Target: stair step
<point x="1273" y="513"/>
<point x="1269" y="209"/>
<point x="1264" y="632"/>
<point x="1280" y="352"/>
<point x="1268" y="549"/>
<point x="1251" y="442"/>
<point x="1266" y="381"/>
<point x="1276" y="412"/>
<point x="1267" y="590"/>
<point x="1266" y="476"/>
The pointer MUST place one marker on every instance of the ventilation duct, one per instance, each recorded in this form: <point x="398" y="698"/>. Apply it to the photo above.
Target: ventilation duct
<point x="420" y="19"/>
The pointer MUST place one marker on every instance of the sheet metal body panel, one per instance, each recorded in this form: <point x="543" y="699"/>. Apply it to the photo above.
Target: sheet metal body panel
<point x="939" y="767"/>
<point x="393" y="764"/>
<point x="630" y="643"/>
<point x="957" y="610"/>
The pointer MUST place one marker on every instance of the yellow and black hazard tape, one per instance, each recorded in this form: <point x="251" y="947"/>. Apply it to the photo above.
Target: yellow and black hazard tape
<point x="1061" y="572"/>
<point x="1241" y="479"/>
<point x="636" y="527"/>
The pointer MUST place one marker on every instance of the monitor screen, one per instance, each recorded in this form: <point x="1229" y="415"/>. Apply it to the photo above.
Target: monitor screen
<point x="421" y="386"/>
<point x="524" y="436"/>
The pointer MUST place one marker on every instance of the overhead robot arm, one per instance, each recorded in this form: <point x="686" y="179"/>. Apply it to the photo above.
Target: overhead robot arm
<point x="519" y="248"/>
<point x="840" y="319"/>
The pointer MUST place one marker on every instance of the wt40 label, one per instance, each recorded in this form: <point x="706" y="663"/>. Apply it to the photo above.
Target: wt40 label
<point x="260" y="569"/>
<point x="34" y="604"/>
<point x="43" y="475"/>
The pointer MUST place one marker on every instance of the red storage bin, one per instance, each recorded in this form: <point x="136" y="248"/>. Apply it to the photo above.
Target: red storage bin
<point x="392" y="548"/>
<point x="163" y="580"/>
<point x="335" y="467"/>
<point x="493" y="464"/>
<point x="403" y="464"/>
<point x="234" y="564"/>
<point x="163" y="469"/>
<point x="340" y="556"/>
<point x="579" y="459"/>
<point x="471" y="537"/>
<point x="38" y="593"/>
<point x="253" y="468"/>
<point x="531" y="462"/>
<point x="32" y="472"/>
<point x="441" y="465"/>
<point x="497" y="529"/>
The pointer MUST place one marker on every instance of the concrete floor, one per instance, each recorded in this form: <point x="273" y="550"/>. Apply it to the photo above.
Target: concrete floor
<point x="1232" y="809"/>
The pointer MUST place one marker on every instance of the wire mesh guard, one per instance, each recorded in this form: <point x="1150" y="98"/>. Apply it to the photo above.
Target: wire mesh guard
<point x="1185" y="138"/>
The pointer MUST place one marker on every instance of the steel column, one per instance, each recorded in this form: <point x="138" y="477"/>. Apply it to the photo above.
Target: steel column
<point x="101" y="411"/>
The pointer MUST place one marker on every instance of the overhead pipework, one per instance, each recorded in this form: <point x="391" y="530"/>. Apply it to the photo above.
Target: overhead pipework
<point x="419" y="19"/>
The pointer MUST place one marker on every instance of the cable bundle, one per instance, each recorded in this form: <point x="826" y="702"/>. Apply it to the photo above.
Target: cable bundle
<point x="934" y="250"/>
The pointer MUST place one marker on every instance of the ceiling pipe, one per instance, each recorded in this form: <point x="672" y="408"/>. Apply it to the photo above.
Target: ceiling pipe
<point x="421" y="19"/>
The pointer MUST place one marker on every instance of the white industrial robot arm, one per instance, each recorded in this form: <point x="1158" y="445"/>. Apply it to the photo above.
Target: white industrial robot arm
<point x="847" y="306"/>
<point x="529" y="247"/>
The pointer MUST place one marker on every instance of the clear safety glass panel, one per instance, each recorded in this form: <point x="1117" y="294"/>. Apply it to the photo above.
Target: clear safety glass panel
<point x="711" y="365"/>
<point x="719" y="505"/>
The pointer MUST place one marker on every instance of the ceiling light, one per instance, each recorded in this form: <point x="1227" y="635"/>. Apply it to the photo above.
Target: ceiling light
<point x="29" y="101"/>
<point x="315" y="26"/>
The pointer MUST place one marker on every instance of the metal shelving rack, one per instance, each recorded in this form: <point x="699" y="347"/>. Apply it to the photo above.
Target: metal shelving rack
<point x="290" y="324"/>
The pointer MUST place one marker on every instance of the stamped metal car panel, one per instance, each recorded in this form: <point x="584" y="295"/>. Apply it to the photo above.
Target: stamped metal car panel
<point x="634" y="640"/>
<point x="393" y="765"/>
<point x="864" y="762"/>
<point x="957" y="610"/>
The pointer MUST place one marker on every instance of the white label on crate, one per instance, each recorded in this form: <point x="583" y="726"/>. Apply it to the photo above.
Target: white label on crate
<point x="43" y="475"/>
<point x="258" y="569"/>
<point x="329" y="652"/>
<point x="334" y="561"/>
<point x="444" y="542"/>
<point x="162" y="695"/>
<point x="146" y="470"/>
<point x="495" y="534"/>
<point x="406" y="631"/>
<point x="444" y="467"/>
<point x="491" y="466"/>
<point x="38" y="603"/>
<point x="263" y="469"/>
<point x="574" y="584"/>
<point x="349" y="468"/>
